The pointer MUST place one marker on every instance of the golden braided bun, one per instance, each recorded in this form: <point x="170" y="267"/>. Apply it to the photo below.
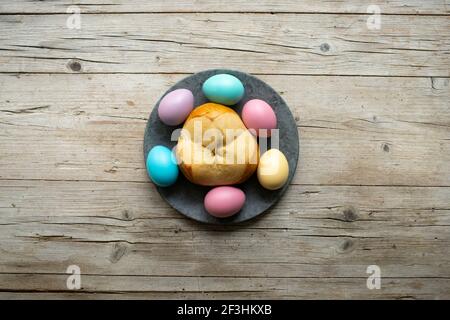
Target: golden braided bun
<point x="215" y="147"/>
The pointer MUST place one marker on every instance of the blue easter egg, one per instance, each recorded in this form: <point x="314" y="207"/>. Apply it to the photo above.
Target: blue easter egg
<point x="162" y="166"/>
<point x="223" y="88"/>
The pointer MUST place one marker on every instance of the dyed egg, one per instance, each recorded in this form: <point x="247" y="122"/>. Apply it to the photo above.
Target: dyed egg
<point x="162" y="166"/>
<point x="273" y="169"/>
<point x="174" y="108"/>
<point x="222" y="202"/>
<point x="223" y="88"/>
<point x="258" y="115"/>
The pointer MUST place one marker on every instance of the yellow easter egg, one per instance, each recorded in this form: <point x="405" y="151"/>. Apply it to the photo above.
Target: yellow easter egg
<point x="273" y="169"/>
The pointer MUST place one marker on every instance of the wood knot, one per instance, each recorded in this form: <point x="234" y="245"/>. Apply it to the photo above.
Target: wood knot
<point x="439" y="83"/>
<point x="74" y="65"/>
<point x="346" y="246"/>
<point x="177" y="230"/>
<point x="324" y="47"/>
<point x="385" y="147"/>
<point x="350" y="214"/>
<point x="113" y="169"/>
<point x="118" y="251"/>
<point x="126" y="215"/>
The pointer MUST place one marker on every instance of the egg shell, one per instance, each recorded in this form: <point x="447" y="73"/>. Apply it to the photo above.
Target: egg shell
<point x="257" y="115"/>
<point x="223" y="88"/>
<point x="273" y="169"/>
<point x="162" y="166"/>
<point x="174" y="108"/>
<point x="222" y="202"/>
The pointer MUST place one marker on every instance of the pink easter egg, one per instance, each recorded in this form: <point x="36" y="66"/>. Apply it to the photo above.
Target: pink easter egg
<point x="222" y="202"/>
<point x="176" y="106"/>
<point x="257" y="115"/>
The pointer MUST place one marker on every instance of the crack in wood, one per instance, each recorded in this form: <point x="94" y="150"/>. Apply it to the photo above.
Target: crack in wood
<point x="26" y="110"/>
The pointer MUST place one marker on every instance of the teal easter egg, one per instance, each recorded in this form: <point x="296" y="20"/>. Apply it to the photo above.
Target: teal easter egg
<point x="223" y="88"/>
<point x="162" y="166"/>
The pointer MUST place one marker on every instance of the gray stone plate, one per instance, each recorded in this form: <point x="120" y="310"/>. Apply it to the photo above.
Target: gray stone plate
<point x="187" y="197"/>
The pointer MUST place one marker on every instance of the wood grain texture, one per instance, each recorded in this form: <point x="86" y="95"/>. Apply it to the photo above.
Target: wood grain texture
<point x="353" y="131"/>
<point x="373" y="179"/>
<point x="136" y="287"/>
<point x="431" y="7"/>
<point x="79" y="194"/>
<point x="315" y="233"/>
<point x="256" y="43"/>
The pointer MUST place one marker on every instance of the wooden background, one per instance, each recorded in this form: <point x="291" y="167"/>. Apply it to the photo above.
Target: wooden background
<point x="373" y="179"/>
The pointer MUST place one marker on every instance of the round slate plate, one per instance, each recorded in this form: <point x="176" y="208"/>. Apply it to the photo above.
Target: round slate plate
<point x="187" y="197"/>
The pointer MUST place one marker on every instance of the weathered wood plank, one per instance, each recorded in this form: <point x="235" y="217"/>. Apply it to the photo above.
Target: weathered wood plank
<point x="79" y="194"/>
<point x="289" y="6"/>
<point x="353" y="131"/>
<point x="126" y="228"/>
<point x="257" y="43"/>
<point x="123" y="287"/>
<point x="126" y="239"/>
